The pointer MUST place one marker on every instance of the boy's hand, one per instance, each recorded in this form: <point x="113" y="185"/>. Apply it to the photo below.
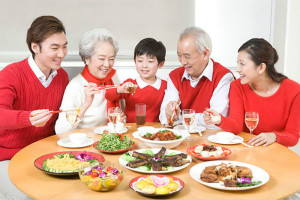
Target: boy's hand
<point x="39" y="118"/>
<point x="211" y="116"/>
<point x="125" y="87"/>
<point x="172" y="111"/>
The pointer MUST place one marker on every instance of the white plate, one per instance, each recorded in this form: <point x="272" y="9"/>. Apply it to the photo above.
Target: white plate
<point x="258" y="175"/>
<point x="123" y="162"/>
<point x="101" y="129"/>
<point x="215" y="139"/>
<point x="197" y="129"/>
<point x="66" y="142"/>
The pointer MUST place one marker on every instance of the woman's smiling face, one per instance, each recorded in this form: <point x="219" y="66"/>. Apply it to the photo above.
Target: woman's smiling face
<point x="102" y="60"/>
<point x="246" y="68"/>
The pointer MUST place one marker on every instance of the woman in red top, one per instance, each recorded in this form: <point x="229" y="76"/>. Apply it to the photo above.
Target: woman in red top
<point x="262" y="89"/>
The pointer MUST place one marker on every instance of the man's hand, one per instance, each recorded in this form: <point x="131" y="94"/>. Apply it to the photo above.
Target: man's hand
<point x="172" y="111"/>
<point x="39" y="118"/>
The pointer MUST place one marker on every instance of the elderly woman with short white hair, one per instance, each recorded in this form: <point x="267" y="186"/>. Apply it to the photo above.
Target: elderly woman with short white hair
<point x="98" y="49"/>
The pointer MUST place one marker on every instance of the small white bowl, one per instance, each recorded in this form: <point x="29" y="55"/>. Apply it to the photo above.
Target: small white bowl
<point x="159" y="144"/>
<point x="225" y="136"/>
<point x="77" y="138"/>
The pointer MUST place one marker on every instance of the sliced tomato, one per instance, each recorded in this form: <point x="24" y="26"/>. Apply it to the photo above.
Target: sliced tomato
<point x="94" y="174"/>
<point x="109" y="168"/>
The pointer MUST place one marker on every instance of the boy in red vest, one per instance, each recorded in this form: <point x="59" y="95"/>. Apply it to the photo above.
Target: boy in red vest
<point x="29" y="91"/>
<point x="200" y="83"/>
<point x="149" y="56"/>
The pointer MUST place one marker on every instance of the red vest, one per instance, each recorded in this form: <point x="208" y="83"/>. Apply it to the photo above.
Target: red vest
<point x="197" y="98"/>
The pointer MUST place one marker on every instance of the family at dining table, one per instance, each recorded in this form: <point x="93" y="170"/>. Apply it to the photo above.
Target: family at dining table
<point x="34" y="87"/>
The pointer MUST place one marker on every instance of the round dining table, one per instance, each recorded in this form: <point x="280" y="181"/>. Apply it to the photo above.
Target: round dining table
<point x="282" y="165"/>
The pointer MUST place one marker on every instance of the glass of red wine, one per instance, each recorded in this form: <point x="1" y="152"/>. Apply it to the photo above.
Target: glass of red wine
<point x="251" y="120"/>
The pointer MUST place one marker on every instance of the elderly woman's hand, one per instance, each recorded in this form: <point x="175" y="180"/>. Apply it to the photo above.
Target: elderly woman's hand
<point x="89" y="91"/>
<point x="263" y="139"/>
<point x="211" y="116"/>
<point x="125" y="87"/>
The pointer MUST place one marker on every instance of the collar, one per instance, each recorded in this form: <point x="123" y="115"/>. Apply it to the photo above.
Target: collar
<point x="208" y="72"/>
<point x="36" y="70"/>
<point x="143" y="84"/>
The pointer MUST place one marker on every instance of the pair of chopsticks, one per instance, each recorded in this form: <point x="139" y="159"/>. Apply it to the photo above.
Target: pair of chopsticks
<point x="105" y="86"/>
<point x="59" y="111"/>
<point x="174" y="113"/>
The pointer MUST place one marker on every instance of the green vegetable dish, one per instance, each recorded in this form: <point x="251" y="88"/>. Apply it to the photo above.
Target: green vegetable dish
<point x="113" y="142"/>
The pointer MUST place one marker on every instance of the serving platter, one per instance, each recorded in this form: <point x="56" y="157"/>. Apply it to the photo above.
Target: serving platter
<point x="191" y="152"/>
<point x="38" y="163"/>
<point x="168" y="151"/>
<point x="258" y="175"/>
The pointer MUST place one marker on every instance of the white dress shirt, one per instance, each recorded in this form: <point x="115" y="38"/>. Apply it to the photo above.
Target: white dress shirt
<point x="219" y="100"/>
<point x="39" y="74"/>
<point x="142" y="84"/>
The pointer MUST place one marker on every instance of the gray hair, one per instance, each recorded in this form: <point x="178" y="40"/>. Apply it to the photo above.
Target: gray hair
<point x="202" y="39"/>
<point x="91" y="38"/>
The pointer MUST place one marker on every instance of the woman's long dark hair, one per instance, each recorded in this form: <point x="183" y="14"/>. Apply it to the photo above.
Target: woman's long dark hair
<point x="262" y="51"/>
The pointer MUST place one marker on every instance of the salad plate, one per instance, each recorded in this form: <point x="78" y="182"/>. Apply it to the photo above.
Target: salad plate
<point x="191" y="151"/>
<point x="115" y="151"/>
<point x="215" y="139"/>
<point x="39" y="162"/>
<point x="66" y="142"/>
<point x="258" y="175"/>
<point x="134" y="181"/>
<point x="151" y="171"/>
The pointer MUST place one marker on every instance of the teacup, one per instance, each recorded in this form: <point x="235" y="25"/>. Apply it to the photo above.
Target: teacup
<point x="225" y="136"/>
<point x="77" y="138"/>
<point x="119" y="127"/>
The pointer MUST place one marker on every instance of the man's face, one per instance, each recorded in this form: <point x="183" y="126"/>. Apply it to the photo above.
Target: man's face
<point x="190" y="57"/>
<point x="50" y="53"/>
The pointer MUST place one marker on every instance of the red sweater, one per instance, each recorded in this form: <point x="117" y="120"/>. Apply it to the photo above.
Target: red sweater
<point x="148" y="95"/>
<point x="20" y="93"/>
<point x="279" y="113"/>
<point x="197" y="98"/>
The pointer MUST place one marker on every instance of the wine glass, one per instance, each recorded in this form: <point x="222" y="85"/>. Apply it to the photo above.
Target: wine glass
<point x="188" y="116"/>
<point x="73" y="117"/>
<point x="251" y="120"/>
<point x="114" y="116"/>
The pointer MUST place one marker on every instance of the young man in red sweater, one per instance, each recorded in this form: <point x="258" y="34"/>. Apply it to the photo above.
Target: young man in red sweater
<point x="149" y="56"/>
<point x="200" y="83"/>
<point x="29" y="91"/>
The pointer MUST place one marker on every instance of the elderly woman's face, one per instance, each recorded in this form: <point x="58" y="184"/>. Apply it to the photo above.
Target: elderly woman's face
<point x="102" y="61"/>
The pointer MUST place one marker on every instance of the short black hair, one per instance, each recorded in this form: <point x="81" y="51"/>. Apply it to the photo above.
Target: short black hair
<point x="151" y="47"/>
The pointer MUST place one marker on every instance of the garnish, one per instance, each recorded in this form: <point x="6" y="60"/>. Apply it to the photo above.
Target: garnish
<point x="113" y="142"/>
<point x="246" y="182"/>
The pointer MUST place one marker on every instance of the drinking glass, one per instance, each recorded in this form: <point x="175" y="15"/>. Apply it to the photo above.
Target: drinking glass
<point x="73" y="118"/>
<point x="188" y="116"/>
<point x="251" y="120"/>
<point x="114" y="116"/>
<point x="140" y="113"/>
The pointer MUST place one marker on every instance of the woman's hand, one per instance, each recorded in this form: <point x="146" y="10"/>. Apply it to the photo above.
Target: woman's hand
<point x="211" y="116"/>
<point x="263" y="139"/>
<point x="170" y="114"/>
<point x="39" y="118"/>
<point x="89" y="91"/>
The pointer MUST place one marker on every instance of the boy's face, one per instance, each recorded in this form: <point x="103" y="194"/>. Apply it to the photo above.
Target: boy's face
<point x="147" y="67"/>
<point x="51" y="52"/>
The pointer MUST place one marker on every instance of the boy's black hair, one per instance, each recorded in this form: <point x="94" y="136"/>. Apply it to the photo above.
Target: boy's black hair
<point x="151" y="47"/>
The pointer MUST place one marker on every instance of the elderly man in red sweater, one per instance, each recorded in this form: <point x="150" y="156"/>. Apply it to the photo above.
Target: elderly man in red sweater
<point x="200" y="83"/>
<point x="29" y="91"/>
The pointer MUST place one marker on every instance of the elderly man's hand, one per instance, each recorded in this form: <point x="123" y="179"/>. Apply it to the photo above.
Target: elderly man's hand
<point x="172" y="111"/>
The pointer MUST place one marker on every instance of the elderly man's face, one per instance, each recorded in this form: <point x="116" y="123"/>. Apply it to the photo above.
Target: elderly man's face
<point x="190" y="57"/>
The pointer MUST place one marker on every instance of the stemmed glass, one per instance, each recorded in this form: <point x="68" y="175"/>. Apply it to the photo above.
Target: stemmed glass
<point x="188" y="116"/>
<point x="251" y="120"/>
<point x="73" y="117"/>
<point x="114" y="116"/>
